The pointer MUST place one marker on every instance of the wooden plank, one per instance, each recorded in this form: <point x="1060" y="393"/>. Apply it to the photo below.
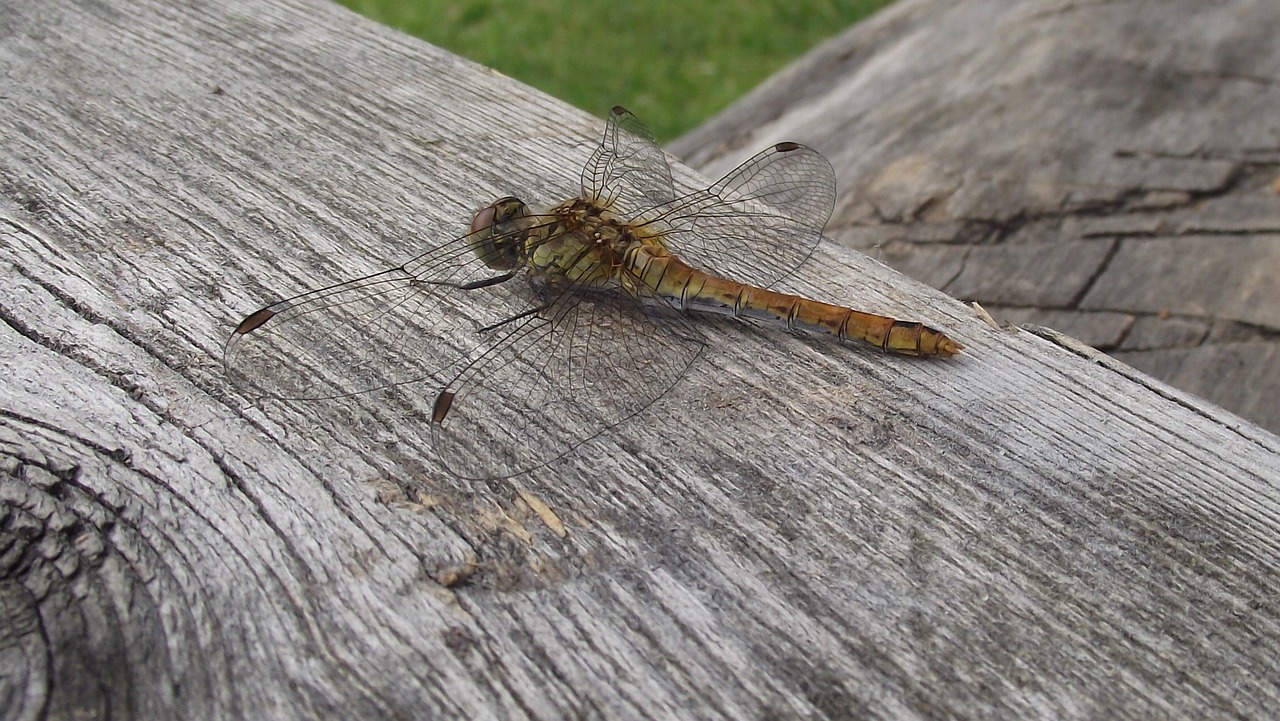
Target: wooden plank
<point x="802" y="529"/>
<point x="1164" y="275"/>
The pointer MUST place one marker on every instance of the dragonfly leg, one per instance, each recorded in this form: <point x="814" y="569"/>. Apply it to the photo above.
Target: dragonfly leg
<point x="485" y="283"/>
<point x="514" y="318"/>
<point x="472" y="285"/>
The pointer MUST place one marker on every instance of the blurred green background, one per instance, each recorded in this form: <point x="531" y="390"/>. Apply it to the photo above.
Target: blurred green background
<point x="673" y="62"/>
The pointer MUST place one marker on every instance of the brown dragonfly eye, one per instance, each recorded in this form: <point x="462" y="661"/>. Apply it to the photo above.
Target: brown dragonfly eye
<point x="495" y="238"/>
<point x="483" y="219"/>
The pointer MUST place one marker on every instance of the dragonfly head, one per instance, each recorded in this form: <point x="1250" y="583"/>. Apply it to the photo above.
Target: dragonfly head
<point x="497" y="232"/>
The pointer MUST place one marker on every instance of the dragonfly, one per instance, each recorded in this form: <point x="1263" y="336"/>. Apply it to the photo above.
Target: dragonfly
<point x="537" y="331"/>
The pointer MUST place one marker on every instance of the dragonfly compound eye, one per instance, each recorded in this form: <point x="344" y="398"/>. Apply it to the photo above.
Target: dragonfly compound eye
<point x="496" y="232"/>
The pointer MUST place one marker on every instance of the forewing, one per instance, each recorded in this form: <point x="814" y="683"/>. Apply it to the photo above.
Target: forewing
<point x="758" y="223"/>
<point x="412" y="323"/>
<point x="627" y="171"/>
<point x="592" y="360"/>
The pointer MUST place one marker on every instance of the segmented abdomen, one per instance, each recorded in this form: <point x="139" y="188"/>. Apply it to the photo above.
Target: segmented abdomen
<point x="692" y="289"/>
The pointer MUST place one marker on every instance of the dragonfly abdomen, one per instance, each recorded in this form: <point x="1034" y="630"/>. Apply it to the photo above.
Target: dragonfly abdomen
<point x="692" y="289"/>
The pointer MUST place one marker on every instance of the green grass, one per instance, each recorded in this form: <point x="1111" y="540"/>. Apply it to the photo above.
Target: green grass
<point x="672" y="62"/>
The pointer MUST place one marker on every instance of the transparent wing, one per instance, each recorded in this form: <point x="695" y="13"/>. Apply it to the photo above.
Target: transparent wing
<point x="758" y="223"/>
<point x="591" y="360"/>
<point x="412" y="323"/>
<point x="529" y="372"/>
<point x="627" y="170"/>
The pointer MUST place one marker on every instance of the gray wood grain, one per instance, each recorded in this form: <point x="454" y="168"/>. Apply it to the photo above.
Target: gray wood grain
<point x="802" y="529"/>
<point x="1067" y="164"/>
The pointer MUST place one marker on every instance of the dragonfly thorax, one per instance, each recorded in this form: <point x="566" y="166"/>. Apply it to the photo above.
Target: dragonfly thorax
<point x="583" y="243"/>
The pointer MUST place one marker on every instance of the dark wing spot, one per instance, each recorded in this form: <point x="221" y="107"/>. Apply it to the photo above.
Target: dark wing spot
<point x="254" y="321"/>
<point x="444" y="402"/>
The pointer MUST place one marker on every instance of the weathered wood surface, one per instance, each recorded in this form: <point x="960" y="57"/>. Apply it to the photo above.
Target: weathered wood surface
<point x="803" y="530"/>
<point x="1111" y="170"/>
